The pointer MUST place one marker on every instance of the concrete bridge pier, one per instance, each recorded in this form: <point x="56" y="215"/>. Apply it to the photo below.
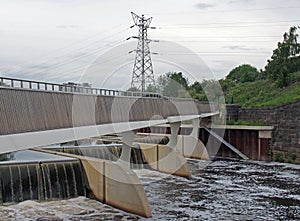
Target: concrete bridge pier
<point x="166" y="158"/>
<point x="190" y="145"/>
<point x="174" y="135"/>
<point x="127" y="143"/>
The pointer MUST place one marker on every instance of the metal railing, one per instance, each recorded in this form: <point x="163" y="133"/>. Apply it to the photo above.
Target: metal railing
<point x="45" y="86"/>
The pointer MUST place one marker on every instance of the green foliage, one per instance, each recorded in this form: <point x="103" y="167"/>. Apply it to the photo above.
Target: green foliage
<point x="178" y="77"/>
<point x="152" y="89"/>
<point x="269" y="152"/>
<point x="245" y="85"/>
<point x="243" y="73"/>
<point x="246" y="123"/>
<point x="294" y="77"/>
<point x="173" y="84"/>
<point x="133" y="89"/>
<point x="289" y="157"/>
<point x="6" y="156"/>
<point x="197" y="87"/>
<point x="292" y="156"/>
<point x="279" y="157"/>
<point x="213" y="90"/>
<point x="262" y="93"/>
<point x="284" y="59"/>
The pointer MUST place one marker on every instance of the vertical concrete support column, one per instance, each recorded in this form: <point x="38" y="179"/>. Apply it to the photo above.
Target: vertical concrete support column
<point x="195" y="123"/>
<point x="190" y="145"/>
<point x="127" y="139"/>
<point x="174" y="132"/>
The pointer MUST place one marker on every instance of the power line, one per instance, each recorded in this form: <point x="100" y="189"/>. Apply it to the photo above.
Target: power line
<point x="81" y="68"/>
<point x="233" y="36"/>
<point x="74" y="68"/>
<point x="69" y="52"/>
<point x="69" y="61"/>
<point x="209" y="52"/>
<point x="224" y="11"/>
<point x="227" y="26"/>
<point x="238" y="24"/>
<point x="221" y="41"/>
<point x="219" y="54"/>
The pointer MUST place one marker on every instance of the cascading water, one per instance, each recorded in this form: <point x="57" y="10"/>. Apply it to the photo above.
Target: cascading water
<point x="42" y="181"/>
<point x="110" y="152"/>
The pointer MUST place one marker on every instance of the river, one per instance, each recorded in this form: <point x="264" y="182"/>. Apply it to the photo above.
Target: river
<point x="218" y="190"/>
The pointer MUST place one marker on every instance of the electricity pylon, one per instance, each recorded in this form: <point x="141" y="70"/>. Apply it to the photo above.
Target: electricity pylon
<point x="142" y="74"/>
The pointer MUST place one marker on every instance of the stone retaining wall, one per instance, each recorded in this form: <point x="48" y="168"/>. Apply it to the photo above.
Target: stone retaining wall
<point x="285" y="144"/>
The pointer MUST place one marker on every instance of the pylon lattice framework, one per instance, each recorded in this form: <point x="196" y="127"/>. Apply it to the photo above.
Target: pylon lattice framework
<point x="142" y="74"/>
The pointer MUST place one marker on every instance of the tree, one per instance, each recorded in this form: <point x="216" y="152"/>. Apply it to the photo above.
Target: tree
<point x="133" y="89"/>
<point x="178" y="77"/>
<point x="197" y="87"/>
<point x="7" y="156"/>
<point x="284" y="59"/>
<point x="212" y="89"/>
<point x="152" y="89"/>
<point x="243" y="73"/>
<point x="173" y="85"/>
<point x="161" y="82"/>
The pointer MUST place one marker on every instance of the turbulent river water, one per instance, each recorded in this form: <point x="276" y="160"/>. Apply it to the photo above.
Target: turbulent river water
<point x="219" y="190"/>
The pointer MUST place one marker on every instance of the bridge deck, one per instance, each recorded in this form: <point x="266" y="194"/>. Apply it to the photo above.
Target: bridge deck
<point x="31" y="117"/>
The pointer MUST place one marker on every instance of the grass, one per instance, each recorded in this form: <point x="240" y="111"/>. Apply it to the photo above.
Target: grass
<point x="262" y="93"/>
<point x="246" y="123"/>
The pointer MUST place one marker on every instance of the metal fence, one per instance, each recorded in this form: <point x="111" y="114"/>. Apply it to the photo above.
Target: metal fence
<point x="82" y="89"/>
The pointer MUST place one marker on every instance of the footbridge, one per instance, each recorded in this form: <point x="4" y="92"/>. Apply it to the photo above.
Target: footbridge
<point x="38" y="114"/>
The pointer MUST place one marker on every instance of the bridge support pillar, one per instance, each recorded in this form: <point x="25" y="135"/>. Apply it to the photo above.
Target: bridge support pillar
<point x="174" y="134"/>
<point x="166" y="158"/>
<point x="127" y="139"/>
<point x="190" y="145"/>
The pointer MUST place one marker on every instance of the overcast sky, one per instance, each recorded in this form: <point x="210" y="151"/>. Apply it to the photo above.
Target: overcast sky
<point x="61" y="40"/>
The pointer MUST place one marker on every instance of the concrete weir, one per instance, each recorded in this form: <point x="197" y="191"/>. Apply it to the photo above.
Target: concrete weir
<point x="192" y="147"/>
<point x="165" y="159"/>
<point x="112" y="184"/>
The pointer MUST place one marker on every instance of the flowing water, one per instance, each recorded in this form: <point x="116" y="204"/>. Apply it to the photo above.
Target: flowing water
<point x="221" y="190"/>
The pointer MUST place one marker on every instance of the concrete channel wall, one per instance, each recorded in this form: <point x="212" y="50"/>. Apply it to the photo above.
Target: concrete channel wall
<point x="253" y="141"/>
<point x="285" y="143"/>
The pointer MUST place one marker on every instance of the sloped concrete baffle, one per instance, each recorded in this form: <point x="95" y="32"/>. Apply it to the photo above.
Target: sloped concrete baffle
<point x="165" y="159"/>
<point x="113" y="185"/>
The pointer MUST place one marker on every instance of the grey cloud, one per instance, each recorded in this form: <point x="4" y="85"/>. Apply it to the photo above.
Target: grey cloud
<point x="221" y="67"/>
<point x="238" y="47"/>
<point x="241" y="1"/>
<point x="67" y="26"/>
<point x="203" y="5"/>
